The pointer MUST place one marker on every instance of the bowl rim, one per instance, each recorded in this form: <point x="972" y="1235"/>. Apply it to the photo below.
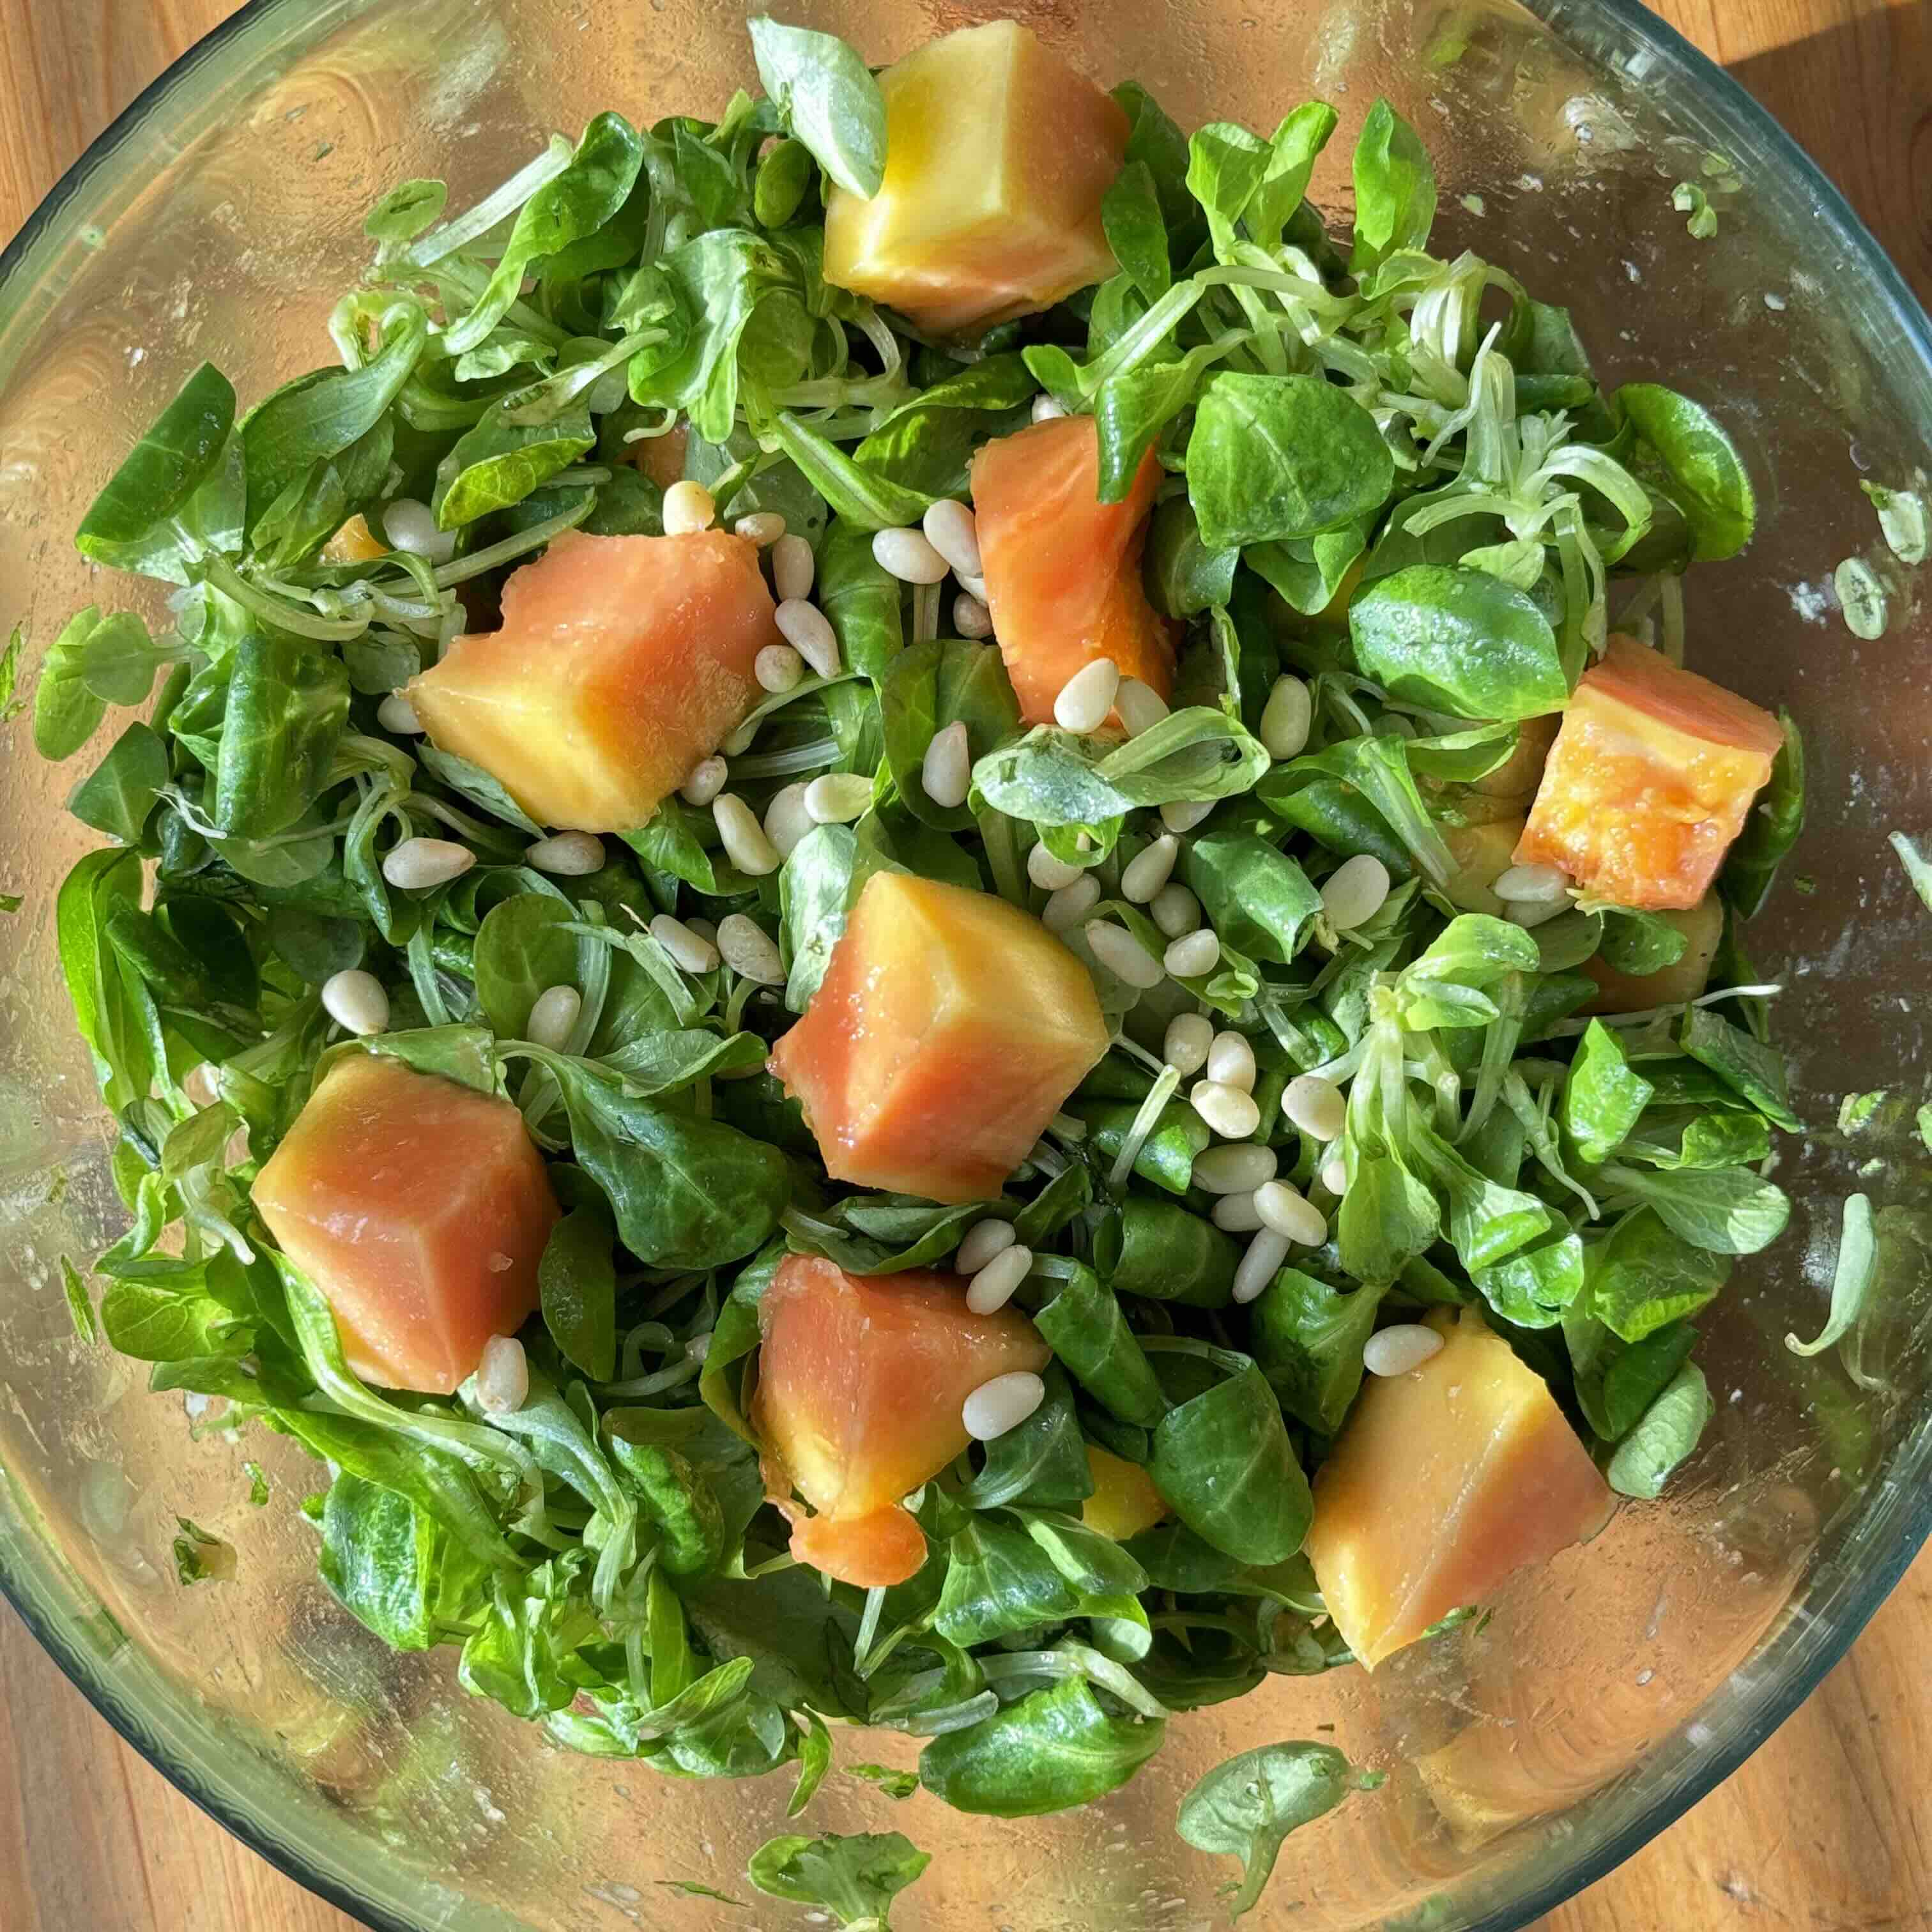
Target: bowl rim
<point x="1681" y="62"/>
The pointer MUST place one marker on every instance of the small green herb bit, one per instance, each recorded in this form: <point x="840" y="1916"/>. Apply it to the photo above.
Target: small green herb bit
<point x="200" y="1556"/>
<point x="855" y="1879"/>
<point x="1248" y="1806"/>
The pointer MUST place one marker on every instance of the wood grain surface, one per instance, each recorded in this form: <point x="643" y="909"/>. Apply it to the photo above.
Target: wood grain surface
<point x="1828" y="1827"/>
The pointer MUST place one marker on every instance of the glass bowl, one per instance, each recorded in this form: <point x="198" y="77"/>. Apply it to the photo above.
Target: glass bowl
<point x="220" y="216"/>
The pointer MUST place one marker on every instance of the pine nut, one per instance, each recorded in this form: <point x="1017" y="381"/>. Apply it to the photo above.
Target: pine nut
<point x="688" y="508"/>
<point x="793" y="568"/>
<point x="1396" y="1350"/>
<point x="1530" y="913"/>
<point x="502" y="1376"/>
<point x="746" y="844"/>
<point x="1050" y="873"/>
<point x="1184" y="814"/>
<point x="975" y="587"/>
<point x="749" y="950"/>
<point x="1123" y="955"/>
<point x="1534" y="885"/>
<point x="411" y="525"/>
<point x="1087" y="697"/>
<point x="397" y="714"/>
<point x="787" y="820"/>
<point x="809" y="632"/>
<point x="1235" y="1214"/>
<point x="1045" y="409"/>
<point x="981" y="1243"/>
<point x="417" y="863"/>
<point x="993" y="1284"/>
<point x="946" y="770"/>
<point x="1231" y="1113"/>
<point x="355" y="999"/>
<point x="762" y="527"/>
<point x="953" y="531"/>
<point x="838" y="797"/>
<point x="1150" y="869"/>
<point x="1189" y="1037"/>
<point x="1071" y="904"/>
<point x="1353" y="893"/>
<point x="1285" y="718"/>
<point x="1140" y="707"/>
<point x="1315" y="1106"/>
<point x="706" y="781"/>
<point x="1335" y="1175"/>
<point x="778" y="667"/>
<point x="970" y="618"/>
<point x="907" y="555"/>
<point x="566" y="855"/>
<point x="1001" y="1404"/>
<point x="1234" y="1170"/>
<point x="1260" y="1265"/>
<point x="1175" y="910"/>
<point x="689" y="949"/>
<point x="553" y="1015"/>
<point x="1231" y="1061"/>
<point x="1290" y="1214"/>
<point x="1192" y="954"/>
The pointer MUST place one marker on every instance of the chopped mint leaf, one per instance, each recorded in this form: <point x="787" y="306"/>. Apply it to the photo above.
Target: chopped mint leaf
<point x="200" y="1557"/>
<point x="1863" y="598"/>
<point x="1903" y="518"/>
<point x="1917" y="869"/>
<point x="86" y="1325"/>
<point x="1688" y="198"/>
<point x="855" y="1879"/>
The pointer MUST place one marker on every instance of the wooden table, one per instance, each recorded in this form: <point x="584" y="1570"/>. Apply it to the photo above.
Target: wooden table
<point x="1829" y="1827"/>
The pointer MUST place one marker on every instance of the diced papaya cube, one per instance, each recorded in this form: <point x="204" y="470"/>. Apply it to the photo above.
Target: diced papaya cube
<point x="1063" y="569"/>
<point x="355" y="542"/>
<point x="662" y="457"/>
<point x="1520" y="774"/>
<point x="621" y="662"/>
<point x="1683" y="978"/>
<point x="1483" y="854"/>
<point x="949" y="1028"/>
<point x="998" y="154"/>
<point x="870" y="1552"/>
<point x="1124" y="1501"/>
<point x="420" y="1209"/>
<point x="1443" y="1481"/>
<point x="861" y="1380"/>
<point x="1648" y="781"/>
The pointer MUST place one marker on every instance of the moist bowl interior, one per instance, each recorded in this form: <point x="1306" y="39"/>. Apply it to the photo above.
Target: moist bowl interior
<point x="221" y="216"/>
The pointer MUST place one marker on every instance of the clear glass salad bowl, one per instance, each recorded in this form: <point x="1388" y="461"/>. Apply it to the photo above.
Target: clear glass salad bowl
<point x="221" y="216"/>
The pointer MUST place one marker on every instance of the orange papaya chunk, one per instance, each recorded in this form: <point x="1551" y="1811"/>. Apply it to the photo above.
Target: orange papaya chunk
<point x="420" y="1209"/>
<point x="861" y="1379"/>
<point x="949" y="1028"/>
<point x="621" y="661"/>
<point x="1683" y="978"/>
<point x="1648" y="781"/>
<point x="354" y="542"/>
<point x="1442" y="1482"/>
<point x="1124" y="1501"/>
<point x="998" y="154"/>
<point x="1063" y="569"/>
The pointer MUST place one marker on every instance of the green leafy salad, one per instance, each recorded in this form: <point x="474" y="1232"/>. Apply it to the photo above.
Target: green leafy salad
<point x="1409" y="1031"/>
